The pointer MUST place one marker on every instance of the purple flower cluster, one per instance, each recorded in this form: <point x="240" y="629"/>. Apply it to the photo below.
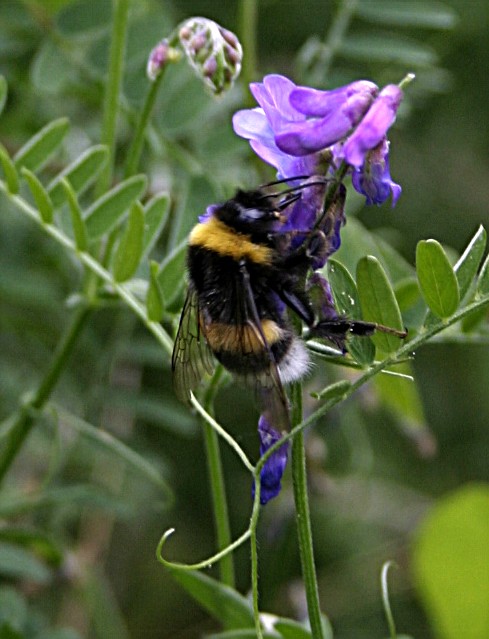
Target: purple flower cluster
<point x="305" y="131"/>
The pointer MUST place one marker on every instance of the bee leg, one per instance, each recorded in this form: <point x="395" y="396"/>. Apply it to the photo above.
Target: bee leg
<point x="313" y="247"/>
<point x="299" y="304"/>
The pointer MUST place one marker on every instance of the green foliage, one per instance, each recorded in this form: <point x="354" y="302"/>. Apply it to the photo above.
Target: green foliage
<point x="449" y="563"/>
<point x="38" y="150"/>
<point x="129" y="251"/>
<point x="41" y="196"/>
<point x="81" y="173"/>
<point x="437" y="280"/>
<point x="77" y="222"/>
<point x="378" y="302"/>
<point x="108" y="210"/>
<point x="348" y="303"/>
<point x="225" y="604"/>
<point x="101" y="442"/>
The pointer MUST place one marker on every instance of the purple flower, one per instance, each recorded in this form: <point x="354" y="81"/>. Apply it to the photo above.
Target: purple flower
<point x="272" y="471"/>
<point x="258" y="126"/>
<point x="331" y="115"/>
<point x="304" y="131"/>
<point x="374" y="126"/>
<point x="373" y="179"/>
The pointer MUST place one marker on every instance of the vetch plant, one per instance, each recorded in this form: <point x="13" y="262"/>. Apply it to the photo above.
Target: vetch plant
<point x="127" y="239"/>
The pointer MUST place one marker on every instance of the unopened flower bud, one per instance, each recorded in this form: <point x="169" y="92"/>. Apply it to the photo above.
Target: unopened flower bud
<point x="159" y="57"/>
<point x="215" y="53"/>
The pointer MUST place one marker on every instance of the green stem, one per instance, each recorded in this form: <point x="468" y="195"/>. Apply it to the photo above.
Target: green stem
<point x="25" y="420"/>
<point x="114" y="83"/>
<point x="303" y="518"/>
<point x="134" y="153"/>
<point x="255" y="515"/>
<point x="218" y="488"/>
<point x="248" y="12"/>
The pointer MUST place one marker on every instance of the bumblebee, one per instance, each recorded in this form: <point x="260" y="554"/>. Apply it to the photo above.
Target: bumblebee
<point x="245" y="270"/>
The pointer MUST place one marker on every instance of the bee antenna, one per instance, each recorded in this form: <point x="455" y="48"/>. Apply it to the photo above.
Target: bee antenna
<point x="293" y="189"/>
<point x="290" y="200"/>
<point x="284" y="180"/>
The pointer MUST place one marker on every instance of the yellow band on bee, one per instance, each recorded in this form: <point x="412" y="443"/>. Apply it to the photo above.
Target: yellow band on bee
<point x="216" y="236"/>
<point x="243" y="338"/>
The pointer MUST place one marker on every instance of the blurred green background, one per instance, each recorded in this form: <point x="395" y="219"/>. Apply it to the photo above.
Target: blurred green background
<point x="372" y="481"/>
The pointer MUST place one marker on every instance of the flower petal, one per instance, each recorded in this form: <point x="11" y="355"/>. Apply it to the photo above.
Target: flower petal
<point x="374" y="125"/>
<point x="251" y="124"/>
<point x="271" y="474"/>
<point x="317" y="103"/>
<point x="374" y="179"/>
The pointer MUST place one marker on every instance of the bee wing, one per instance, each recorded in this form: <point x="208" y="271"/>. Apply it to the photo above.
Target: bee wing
<point x="267" y="385"/>
<point x="191" y="356"/>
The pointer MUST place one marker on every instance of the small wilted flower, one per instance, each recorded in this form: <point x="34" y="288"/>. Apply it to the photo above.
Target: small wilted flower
<point x="374" y="179"/>
<point x="214" y="52"/>
<point x="272" y="471"/>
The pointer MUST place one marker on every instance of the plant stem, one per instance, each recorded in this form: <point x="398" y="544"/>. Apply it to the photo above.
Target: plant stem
<point x="25" y="420"/>
<point x="114" y="83"/>
<point x="218" y="488"/>
<point x="248" y="11"/>
<point x="134" y="153"/>
<point x="255" y="515"/>
<point x="303" y="518"/>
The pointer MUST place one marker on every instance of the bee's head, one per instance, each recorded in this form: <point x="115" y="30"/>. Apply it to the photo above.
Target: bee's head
<point x="251" y="212"/>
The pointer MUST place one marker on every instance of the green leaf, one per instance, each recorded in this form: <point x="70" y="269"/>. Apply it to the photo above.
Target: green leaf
<point x="474" y="319"/>
<point x="83" y="16"/>
<point x="42" y="545"/>
<point x="378" y="302"/>
<point x="399" y="392"/>
<point x="106" y="617"/>
<point x="51" y="71"/>
<point x="226" y="605"/>
<point x="13" y="610"/>
<point x="104" y="214"/>
<point x="41" y="197"/>
<point x="77" y="221"/>
<point x="12" y="505"/>
<point x="37" y="151"/>
<point x="337" y="389"/>
<point x="9" y="170"/>
<point x="155" y="216"/>
<point x="347" y="303"/>
<point x="104" y="440"/>
<point x="3" y="93"/>
<point x="154" y="298"/>
<point x="407" y="293"/>
<point x="389" y="49"/>
<point x="408" y="13"/>
<point x="468" y="264"/>
<point x="18" y="563"/>
<point x="450" y="563"/>
<point x="437" y="280"/>
<point x="483" y="279"/>
<point x="129" y="250"/>
<point x="290" y="629"/>
<point x="81" y="173"/>
<point x="171" y="276"/>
